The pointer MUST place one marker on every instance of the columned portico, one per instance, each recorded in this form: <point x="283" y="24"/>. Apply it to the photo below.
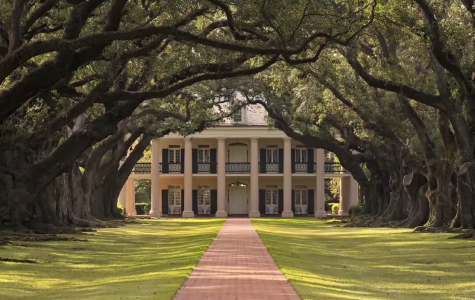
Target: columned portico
<point x="155" y="208"/>
<point x="287" y="212"/>
<point x="221" y="180"/>
<point x="320" y="186"/>
<point x="188" y="180"/>
<point x="254" y="194"/>
<point x="237" y="170"/>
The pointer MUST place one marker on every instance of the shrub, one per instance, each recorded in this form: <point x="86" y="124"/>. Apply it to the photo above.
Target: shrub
<point x="142" y="208"/>
<point x="121" y="209"/>
<point x="356" y="210"/>
<point x="335" y="208"/>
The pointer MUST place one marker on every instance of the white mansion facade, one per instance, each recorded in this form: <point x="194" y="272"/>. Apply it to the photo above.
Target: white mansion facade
<point x="239" y="168"/>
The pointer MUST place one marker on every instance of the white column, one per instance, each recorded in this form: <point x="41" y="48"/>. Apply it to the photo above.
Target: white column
<point x="155" y="182"/>
<point x="221" y="213"/>
<point x="345" y="191"/>
<point x="254" y="213"/>
<point x="188" y="180"/>
<point x="130" y="198"/>
<point x="320" y="187"/>
<point x="354" y="192"/>
<point x="287" y="212"/>
<point x="123" y="196"/>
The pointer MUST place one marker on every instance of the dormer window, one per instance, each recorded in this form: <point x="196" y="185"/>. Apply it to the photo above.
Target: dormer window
<point x="237" y="116"/>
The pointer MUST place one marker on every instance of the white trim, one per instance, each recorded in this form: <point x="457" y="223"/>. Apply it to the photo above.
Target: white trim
<point x="234" y="132"/>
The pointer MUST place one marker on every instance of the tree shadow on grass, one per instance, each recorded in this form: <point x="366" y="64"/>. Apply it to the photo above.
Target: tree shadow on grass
<point x="326" y="262"/>
<point x="149" y="261"/>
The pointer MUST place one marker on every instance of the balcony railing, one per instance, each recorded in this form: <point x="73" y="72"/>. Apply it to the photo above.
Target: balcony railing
<point x="331" y="167"/>
<point x="243" y="167"/>
<point x="272" y="167"/>
<point x="142" y="168"/>
<point x="301" y="167"/>
<point x="205" y="168"/>
<point x="174" y="167"/>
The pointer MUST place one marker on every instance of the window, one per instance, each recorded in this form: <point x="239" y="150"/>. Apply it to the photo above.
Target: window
<point x="174" y="155"/>
<point x="272" y="155"/>
<point x="271" y="194"/>
<point x="174" y="195"/>
<point x="300" y="199"/>
<point x="203" y="155"/>
<point x="301" y="155"/>
<point x="204" y="195"/>
<point x="237" y="116"/>
<point x="301" y="195"/>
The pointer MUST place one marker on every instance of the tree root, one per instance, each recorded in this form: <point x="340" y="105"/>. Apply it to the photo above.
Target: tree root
<point x="470" y="235"/>
<point x="25" y="261"/>
<point x="19" y="237"/>
<point x="423" y="229"/>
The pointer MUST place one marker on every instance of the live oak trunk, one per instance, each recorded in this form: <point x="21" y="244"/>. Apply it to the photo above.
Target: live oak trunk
<point x="418" y="206"/>
<point x="442" y="197"/>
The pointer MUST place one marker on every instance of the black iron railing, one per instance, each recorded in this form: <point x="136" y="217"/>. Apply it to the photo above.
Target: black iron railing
<point x="142" y="168"/>
<point x="203" y="167"/>
<point x="174" y="167"/>
<point x="243" y="167"/>
<point x="331" y="167"/>
<point x="272" y="167"/>
<point x="301" y="167"/>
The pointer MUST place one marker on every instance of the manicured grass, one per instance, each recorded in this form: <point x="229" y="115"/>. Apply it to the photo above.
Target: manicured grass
<point x="328" y="263"/>
<point x="150" y="260"/>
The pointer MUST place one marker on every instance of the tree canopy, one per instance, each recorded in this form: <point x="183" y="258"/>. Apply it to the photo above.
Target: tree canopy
<point x="387" y="86"/>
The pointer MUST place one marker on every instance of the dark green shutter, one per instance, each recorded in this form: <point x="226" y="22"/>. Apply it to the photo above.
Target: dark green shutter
<point x="213" y="161"/>
<point x="165" y="160"/>
<point x="182" y="200"/>
<point x="281" y="161"/>
<point x="293" y="201"/>
<point x="182" y="161"/>
<point x="214" y="202"/>
<point x="311" y="202"/>
<point x="165" y="202"/>
<point x="194" y="160"/>
<point x="281" y="201"/>
<point x="262" y="162"/>
<point x="262" y="202"/>
<point x="292" y="154"/>
<point x="310" y="160"/>
<point x="194" y="195"/>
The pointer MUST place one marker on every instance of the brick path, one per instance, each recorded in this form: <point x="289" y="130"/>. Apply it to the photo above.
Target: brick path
<point x="237" y="266"/>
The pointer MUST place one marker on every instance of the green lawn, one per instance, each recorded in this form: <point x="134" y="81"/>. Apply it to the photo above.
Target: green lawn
<point x="150" y="260"/>
<point x="326" y="262"/>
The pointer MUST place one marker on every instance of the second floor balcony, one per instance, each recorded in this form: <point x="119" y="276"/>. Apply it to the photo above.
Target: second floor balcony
<point x="238" y="168"/>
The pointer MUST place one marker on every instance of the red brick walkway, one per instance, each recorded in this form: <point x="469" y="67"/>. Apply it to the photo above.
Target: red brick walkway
<point x="237" y="266"/>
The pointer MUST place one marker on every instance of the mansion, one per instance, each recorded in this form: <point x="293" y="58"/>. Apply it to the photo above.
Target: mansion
<point x="239" y="168"/>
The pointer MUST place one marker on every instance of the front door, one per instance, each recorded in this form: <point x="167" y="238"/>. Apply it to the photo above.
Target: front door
<point x="204" y="200"/>
<point x="301" y="201"/>
<point x="174" y="200"/>
<point x="272" y="201"/>
<point x="237" y="200"/>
